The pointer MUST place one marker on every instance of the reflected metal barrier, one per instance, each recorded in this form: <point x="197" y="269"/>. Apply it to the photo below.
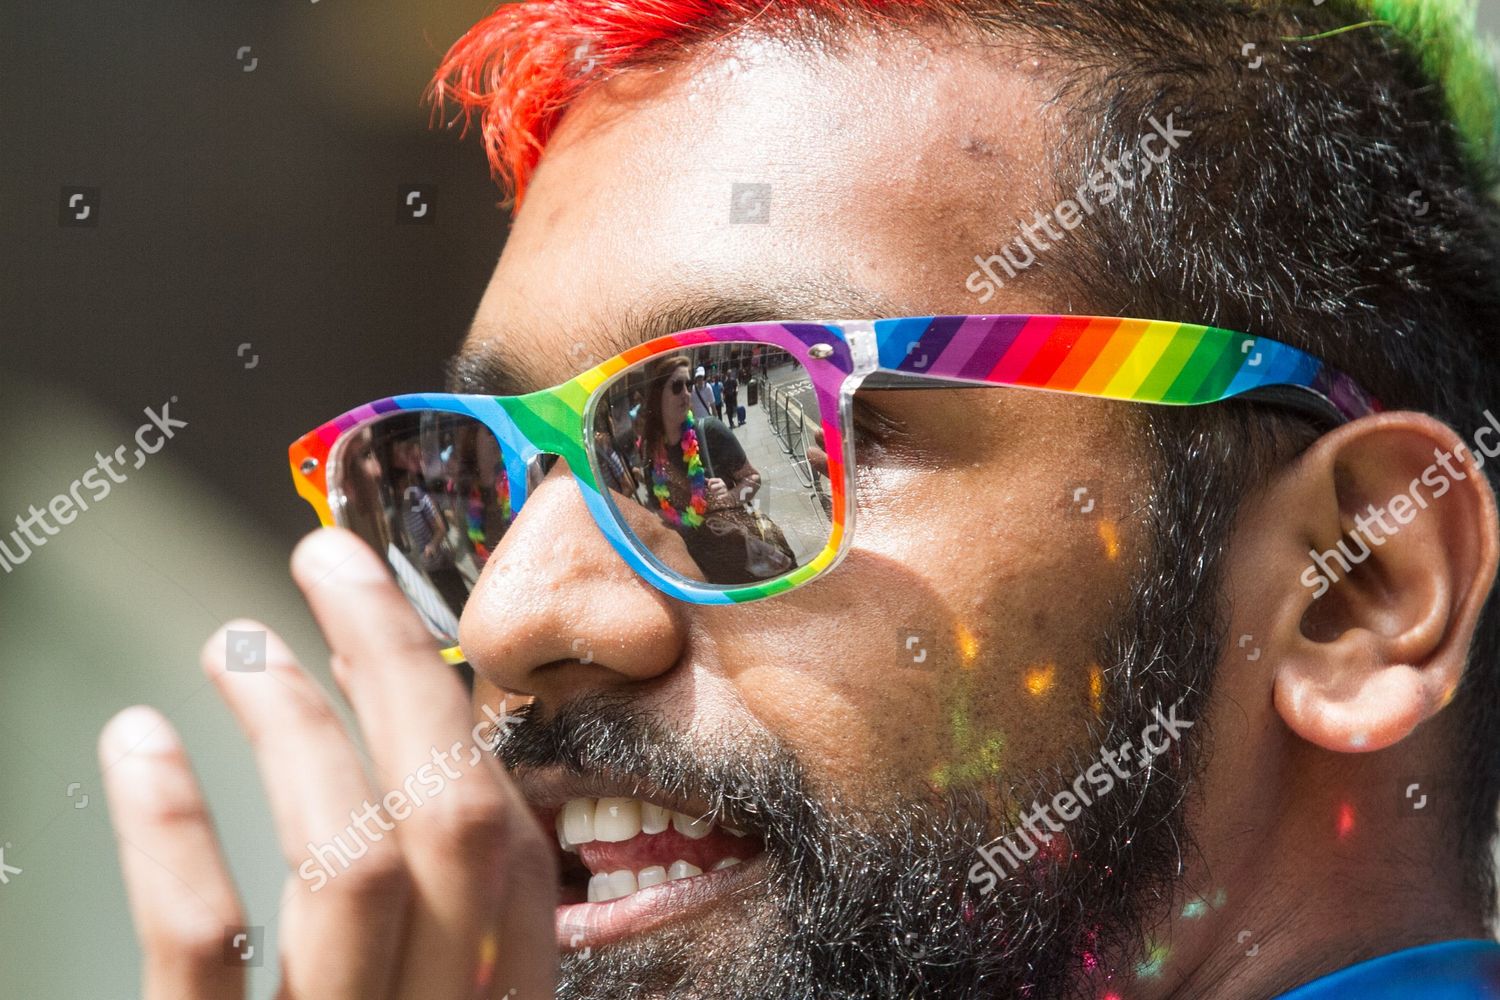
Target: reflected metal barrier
<point x="790" y="423"/>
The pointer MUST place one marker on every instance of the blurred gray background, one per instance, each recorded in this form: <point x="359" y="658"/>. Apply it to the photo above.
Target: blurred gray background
<point x="236" y="206"/>
<point x="250" y="162"/>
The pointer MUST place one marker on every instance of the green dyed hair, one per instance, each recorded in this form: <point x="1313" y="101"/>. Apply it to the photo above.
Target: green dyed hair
<point x="1443" y="36"/>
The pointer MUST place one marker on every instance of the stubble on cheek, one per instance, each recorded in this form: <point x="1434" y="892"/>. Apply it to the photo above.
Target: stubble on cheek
<point x="959" y="641"/>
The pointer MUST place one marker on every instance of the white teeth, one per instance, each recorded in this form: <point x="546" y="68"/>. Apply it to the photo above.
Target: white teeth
<point x="654" y="819"/>
<point x="681" y="869"/>
<point x="617" y="820"/>
<point x="578" y="821"/>
<point x="616" y="885"/>
<point x="605" y="888"/>
<point x="614" y="820"/>
<point x="692" y="829"/>
<point x="621" y="884"/>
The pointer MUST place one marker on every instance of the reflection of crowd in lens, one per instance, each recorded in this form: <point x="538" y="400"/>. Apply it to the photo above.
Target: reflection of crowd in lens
<point x="677" y="457"/>
<point x="430" y="492"/>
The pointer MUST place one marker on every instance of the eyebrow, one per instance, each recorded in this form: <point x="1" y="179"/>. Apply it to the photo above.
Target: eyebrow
<point x="486" y="366"/>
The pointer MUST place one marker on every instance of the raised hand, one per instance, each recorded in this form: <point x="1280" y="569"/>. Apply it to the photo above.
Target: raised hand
<point x="441" y="884"/>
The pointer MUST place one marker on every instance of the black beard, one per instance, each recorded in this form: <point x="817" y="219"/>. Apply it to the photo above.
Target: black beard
<point x="866" y="905"/>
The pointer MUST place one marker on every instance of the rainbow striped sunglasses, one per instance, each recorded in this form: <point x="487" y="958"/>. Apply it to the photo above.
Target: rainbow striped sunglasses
<point x="719" y="462"/>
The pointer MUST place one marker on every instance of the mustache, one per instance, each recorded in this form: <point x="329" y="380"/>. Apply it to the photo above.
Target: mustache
<point x="751" y="781"/>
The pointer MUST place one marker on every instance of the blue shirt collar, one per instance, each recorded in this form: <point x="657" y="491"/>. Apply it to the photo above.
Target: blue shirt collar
<point x="1450" y="970"/>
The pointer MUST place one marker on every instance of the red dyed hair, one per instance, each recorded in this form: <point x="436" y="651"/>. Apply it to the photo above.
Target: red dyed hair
<point x="522" y="66"/>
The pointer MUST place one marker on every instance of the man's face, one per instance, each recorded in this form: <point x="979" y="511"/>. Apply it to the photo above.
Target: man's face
<point x="954" y="655"/>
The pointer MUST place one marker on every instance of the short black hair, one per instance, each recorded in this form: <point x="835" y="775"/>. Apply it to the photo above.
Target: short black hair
<point x="1326" y="199"/>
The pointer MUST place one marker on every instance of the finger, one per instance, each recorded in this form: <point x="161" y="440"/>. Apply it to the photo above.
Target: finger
<point x="472" y="847"/>
<point x="345" y="908"/>
<point x="817" y="459"/>
<point x="384" y="659"/>
<point x="182" y="899"/>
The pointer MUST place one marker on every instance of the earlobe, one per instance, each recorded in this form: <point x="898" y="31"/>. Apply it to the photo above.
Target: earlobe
<point x="1385" y="550"/>
<point x="1361" y="711"/>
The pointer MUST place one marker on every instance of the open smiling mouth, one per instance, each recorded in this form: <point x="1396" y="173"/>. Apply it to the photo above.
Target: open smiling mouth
<point x="629" y="865"/>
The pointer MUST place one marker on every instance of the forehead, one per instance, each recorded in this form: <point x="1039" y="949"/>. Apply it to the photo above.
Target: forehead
<point x="763" y="179"/>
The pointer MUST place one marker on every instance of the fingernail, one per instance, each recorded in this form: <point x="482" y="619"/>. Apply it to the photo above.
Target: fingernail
<point x="139" y="730"/>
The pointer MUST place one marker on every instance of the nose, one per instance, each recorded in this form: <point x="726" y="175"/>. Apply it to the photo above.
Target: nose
<point x="557" y="613"/>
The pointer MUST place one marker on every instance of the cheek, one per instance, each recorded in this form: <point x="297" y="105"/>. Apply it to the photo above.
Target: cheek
<point x="1021" y="591"/>
<point x="957" y="643"/>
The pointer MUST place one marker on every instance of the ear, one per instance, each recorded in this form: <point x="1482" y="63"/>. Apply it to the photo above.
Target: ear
<point x="1366" y="563"/>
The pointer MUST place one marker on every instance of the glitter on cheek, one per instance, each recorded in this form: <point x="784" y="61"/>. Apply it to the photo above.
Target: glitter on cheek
<point x="968" y="645"/>
<point x="1346" y="820"/>
<point x="1199" y="907"/>
<point x="1109" y="536"/>
<point x="489" y="950"/>
<point x="976" y="755"/>
<point x="1156" y="958"/>
<point x="1040" y="678"/>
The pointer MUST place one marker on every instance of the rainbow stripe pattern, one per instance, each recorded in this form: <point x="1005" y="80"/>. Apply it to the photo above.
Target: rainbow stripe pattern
<point x="1142" y="361"/>
<point x="1127" y="359"/>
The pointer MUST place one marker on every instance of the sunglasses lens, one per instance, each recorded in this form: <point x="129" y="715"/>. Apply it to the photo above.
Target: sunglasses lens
<point x="728" y="488"/>
<point x="427" y="490"/>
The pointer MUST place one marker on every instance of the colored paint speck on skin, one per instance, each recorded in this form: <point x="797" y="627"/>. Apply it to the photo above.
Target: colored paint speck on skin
<point x="1109" y="535"/>
<point x="1346" y="820"/>
<point x="1200" y="906"/>
<point x="968" y="646"/>
<point x="1156" y="957"/>
<point x="983" y="762"/>
<point x="489" y="950"/>
<point x="1039" y="679"/>
<point x="978" y="755"/>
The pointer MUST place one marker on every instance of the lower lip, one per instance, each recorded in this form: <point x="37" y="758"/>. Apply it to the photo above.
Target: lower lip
<point x="592" y="925"/>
